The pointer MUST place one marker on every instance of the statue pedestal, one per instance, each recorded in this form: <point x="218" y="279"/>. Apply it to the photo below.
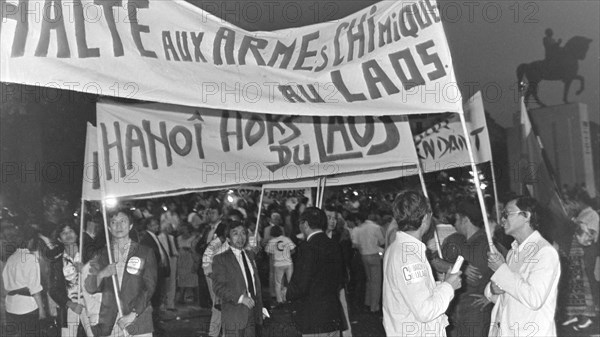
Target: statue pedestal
<point x="565" y="134"/>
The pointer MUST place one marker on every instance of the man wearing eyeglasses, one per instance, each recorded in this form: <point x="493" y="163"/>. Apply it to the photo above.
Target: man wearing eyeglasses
<point x="524" y="286"/>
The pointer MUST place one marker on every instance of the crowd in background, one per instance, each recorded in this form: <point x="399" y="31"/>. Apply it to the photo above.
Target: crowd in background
<point x="187" y="232"/>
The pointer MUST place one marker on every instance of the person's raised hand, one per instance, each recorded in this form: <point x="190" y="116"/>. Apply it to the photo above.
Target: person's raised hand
<point x="495" y="260"/>
<point x="108" y="271"/>
<point x="473" y="274"/>
<point x="453" y="279"/>
<point x="75" y="307"/>
<point x="496" y="290"/>
<point x="480" y="301"/>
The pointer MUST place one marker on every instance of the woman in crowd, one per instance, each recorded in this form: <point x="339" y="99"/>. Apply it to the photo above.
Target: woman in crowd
<point x="65" y="283"/>
<point x="582" y="286"/>
<point x="21" y="278"/>
<point x="188" y="262"/>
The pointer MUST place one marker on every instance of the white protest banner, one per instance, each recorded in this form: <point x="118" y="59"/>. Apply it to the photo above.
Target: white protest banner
<point x="90" y="188"/>
<point x="148" y="149"/>
<point x="390" y="58"/>
<point x="443" y="146"/>
<point x="351" y="178"/>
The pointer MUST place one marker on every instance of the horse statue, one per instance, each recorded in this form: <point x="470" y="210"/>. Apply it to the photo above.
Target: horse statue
<point x="561" y="65"/>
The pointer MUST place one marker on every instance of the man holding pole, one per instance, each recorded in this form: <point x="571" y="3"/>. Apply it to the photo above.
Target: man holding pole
<point x="128" y="311"/>
<point x="524" y="286"/>
<point x="413" y="304"/>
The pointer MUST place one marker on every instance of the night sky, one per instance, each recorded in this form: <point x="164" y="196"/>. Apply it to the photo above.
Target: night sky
<point x="488" y="40"/>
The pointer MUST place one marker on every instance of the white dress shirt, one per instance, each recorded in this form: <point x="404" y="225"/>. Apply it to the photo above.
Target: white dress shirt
<point x="238" y="256"/>
<point x="413" y="304"/>
<point x="368" y="238"/>
<point x="530" y="281"/>
<point x="22" y="270"/>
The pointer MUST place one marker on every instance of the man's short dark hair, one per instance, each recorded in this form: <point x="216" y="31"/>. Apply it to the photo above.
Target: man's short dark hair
<point x="229" y="225"/>
<point x="62" y="225"/>
<point x="528" y="204"/>
<point x="332" y="208"/>
<point x="316" y="218"/>
<point x="233" y="213"/>
<point x="215" y="204"/>
<point x="276" y="231"/>
<point x="470" y="208"/>
<point x="97" y="218"/>
<point x="126" y="211"/>
<point x="410" y="207"/>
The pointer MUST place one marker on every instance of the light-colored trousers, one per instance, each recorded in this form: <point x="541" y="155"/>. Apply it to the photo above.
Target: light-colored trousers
<point x="280" y="271"/>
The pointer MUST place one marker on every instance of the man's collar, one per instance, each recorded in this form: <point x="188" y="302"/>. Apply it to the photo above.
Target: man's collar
<point x="409" y="237"/>
<point x="532" y="237"/>
<point x="477" y="234"/>
<point x="236" y="251"/>
<point x="313" y="233"/>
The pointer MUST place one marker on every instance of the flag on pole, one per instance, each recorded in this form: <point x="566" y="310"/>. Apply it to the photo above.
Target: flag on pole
<point x="537" y="176"/>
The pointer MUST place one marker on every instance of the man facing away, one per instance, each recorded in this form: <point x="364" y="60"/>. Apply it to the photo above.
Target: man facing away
<point x="317" y="279"/>
<point x="524" y="286"/>
<point x="413" y="304"/>
<point x="368" y="238"/>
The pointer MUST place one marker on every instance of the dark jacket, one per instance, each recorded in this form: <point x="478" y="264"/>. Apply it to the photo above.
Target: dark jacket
<point x="148" y="241"/>
<point x="136" y="290"/>
<point x="92" y="246"/>
<point x="58" y="292"/>
<point x="229" y="284"/>
<point x="314" y="288"/>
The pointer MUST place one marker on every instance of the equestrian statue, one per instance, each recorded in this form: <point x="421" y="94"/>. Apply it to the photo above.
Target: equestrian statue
<point x="559" y="64"/>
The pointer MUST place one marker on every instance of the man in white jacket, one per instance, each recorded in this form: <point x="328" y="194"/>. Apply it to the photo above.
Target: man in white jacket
<point x="524" y="287"/>
<point x="413" y="304"/>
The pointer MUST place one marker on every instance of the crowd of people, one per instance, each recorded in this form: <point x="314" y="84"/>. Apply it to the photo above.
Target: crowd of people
<point x="207" y="250"/>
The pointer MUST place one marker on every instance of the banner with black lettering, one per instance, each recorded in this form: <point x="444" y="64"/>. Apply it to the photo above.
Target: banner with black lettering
<point x="443" y="146"/>
<point x="90" y="187"/>
<point x="391" y="58"/>
<point x="148" y="149"/>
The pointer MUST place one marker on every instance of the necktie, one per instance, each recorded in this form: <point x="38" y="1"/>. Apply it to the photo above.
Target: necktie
<point x="248" y="276"/>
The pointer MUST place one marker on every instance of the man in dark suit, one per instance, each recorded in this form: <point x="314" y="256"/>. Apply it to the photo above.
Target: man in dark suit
<point x="236" y="282"/>
<point x="149" y="239"/>
<point x="136" y="270"/>
<point x="317" y="279"/>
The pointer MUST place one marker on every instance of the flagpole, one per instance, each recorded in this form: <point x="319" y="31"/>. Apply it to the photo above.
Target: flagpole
<point x="424" y="188"/>
<point x="322" y="191"/>
<point x="110" y="257"/>
<point x="115" y="279"/>
<point x="81" y="223"/>
<point x="545" y="158"/>
<point x="496" y="203"/>
<point x="318" y="201"/>
<point x="262" y="194"/>
<point x="486" y="223"/>
<point x="80" y="299"/>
